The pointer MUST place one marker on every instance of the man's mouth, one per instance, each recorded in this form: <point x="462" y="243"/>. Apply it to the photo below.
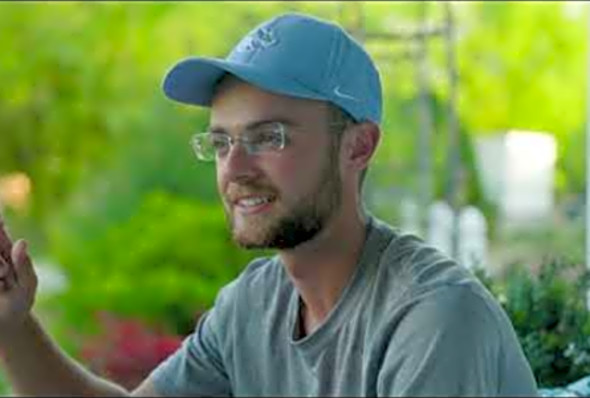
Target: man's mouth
<point x="253" y="204"/>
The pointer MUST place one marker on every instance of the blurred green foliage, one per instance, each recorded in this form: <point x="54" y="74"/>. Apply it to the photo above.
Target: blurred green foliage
<point x="120" y="204"/>
<point x="78" y="77"/>
<point x="548" y="311"/>
<point x="164" y="263"/>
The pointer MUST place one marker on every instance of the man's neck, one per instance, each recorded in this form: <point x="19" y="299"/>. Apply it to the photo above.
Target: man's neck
<point x="322" y="268"/>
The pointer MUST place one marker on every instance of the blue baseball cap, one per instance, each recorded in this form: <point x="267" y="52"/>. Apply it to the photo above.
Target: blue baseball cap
<point x="292" y="54"/>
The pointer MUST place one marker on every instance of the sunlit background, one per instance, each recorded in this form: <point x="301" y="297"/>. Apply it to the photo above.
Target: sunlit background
<point x="483" y="155"/>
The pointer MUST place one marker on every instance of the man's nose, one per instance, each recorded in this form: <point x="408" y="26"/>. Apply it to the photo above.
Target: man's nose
<point x="238" y="164"/>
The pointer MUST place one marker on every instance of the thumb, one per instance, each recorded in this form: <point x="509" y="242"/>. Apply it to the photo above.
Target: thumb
<point x="21" y="260"/>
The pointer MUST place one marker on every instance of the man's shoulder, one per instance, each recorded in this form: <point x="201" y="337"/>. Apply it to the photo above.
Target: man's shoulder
<point x="410" y="271"/>
<point x="418" y="277"/>
<point x="409" y="261"/>
<point x="421" y="287"/>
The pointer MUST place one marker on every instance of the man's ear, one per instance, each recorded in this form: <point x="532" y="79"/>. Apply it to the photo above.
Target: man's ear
<point x="361" y="144"/>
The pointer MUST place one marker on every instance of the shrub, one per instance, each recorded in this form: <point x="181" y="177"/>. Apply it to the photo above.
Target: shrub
<point x="164" y="265"/>
<point x="548" y="311"/>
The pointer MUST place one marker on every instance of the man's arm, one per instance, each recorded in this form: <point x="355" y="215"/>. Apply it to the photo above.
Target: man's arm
<point x="33" y="363"/>
<point x="145" y="389"/>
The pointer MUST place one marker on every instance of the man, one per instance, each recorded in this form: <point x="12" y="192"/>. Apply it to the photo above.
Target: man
<point x="348" y="306"/>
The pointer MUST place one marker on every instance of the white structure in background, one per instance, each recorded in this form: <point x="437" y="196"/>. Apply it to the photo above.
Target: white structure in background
<point x="473" y="238"/>
<point x="51" y="279"/>
<point x="410" y="221"/>
<point x="440" y="226"/>
<point x="473" y="231"/>
<point x="517" y="170"/>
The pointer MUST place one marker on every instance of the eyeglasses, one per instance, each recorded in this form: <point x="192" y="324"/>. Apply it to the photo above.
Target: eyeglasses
<point x="269" y="137"/>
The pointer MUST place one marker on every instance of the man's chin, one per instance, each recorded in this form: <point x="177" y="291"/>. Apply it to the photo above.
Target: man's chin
<point x="257" y="239"/>
<point x="273" y="240"/>
<point x="250" y="238"/>
<point x="251" y="245"/>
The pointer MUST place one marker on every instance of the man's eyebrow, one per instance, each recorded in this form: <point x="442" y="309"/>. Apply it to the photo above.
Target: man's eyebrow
<point x="260" y="123"/>
<point x="254" y="124"/>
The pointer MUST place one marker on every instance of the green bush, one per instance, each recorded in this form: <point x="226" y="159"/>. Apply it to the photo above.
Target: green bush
<point x="164" y="264"/>
<point x="548" y="311"/>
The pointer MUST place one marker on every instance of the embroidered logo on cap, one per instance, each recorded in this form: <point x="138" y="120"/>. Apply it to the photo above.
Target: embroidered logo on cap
<point x="343" y="95"/>
<point x="260" y="39"/>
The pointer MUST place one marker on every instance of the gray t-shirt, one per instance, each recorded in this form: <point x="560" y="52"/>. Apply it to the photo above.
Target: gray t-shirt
<point x="410" y="322"/>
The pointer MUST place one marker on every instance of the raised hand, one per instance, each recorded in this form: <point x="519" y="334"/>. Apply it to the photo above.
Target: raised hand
<point x="18" y="281"/>
<point x="31" y="361"/>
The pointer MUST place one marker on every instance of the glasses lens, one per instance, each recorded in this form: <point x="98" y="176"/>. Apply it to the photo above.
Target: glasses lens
<point x="207" y="146"/>
<point x="266" y="138"/>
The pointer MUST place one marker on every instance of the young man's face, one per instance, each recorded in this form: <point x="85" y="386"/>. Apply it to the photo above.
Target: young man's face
<point x="276" y="199"/>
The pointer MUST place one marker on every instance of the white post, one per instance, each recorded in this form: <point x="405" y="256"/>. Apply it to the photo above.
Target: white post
<point x="473" y="239"/>
<point x="440" y="227"/>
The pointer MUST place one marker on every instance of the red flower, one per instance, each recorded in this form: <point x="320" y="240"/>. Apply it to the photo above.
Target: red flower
<point x="126" y="350"/>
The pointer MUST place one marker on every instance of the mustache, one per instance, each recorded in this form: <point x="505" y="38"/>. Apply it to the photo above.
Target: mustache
<point x="238" y="190"/>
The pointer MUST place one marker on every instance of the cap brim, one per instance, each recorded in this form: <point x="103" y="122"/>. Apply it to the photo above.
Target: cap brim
<point x="193" y="80"/>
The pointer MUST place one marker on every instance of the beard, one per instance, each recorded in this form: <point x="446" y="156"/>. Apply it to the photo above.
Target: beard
<point x="303" y="220"/>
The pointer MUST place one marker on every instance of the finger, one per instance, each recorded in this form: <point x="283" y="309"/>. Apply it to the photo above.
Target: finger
<point x="4" y="287"/>
<point x="5" y="241"/>
<point x="4" y="268"/>
<point x="9" y="277"/>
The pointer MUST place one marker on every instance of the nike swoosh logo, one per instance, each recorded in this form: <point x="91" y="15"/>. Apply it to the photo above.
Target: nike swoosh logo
<point x="343" y="95"/>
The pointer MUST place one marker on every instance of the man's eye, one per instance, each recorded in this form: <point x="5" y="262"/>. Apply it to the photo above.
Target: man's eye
<point x="261" y="137"/>
<point x="265" y="137"/>
<point x="218" y="142"/>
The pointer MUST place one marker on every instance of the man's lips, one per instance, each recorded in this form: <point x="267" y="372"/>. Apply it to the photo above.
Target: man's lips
<point x="251" y="204"/>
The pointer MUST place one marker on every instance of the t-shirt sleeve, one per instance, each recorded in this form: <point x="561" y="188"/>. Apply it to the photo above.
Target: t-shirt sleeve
<point x="449" y="343"/>
<point x="197" y="368"/>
